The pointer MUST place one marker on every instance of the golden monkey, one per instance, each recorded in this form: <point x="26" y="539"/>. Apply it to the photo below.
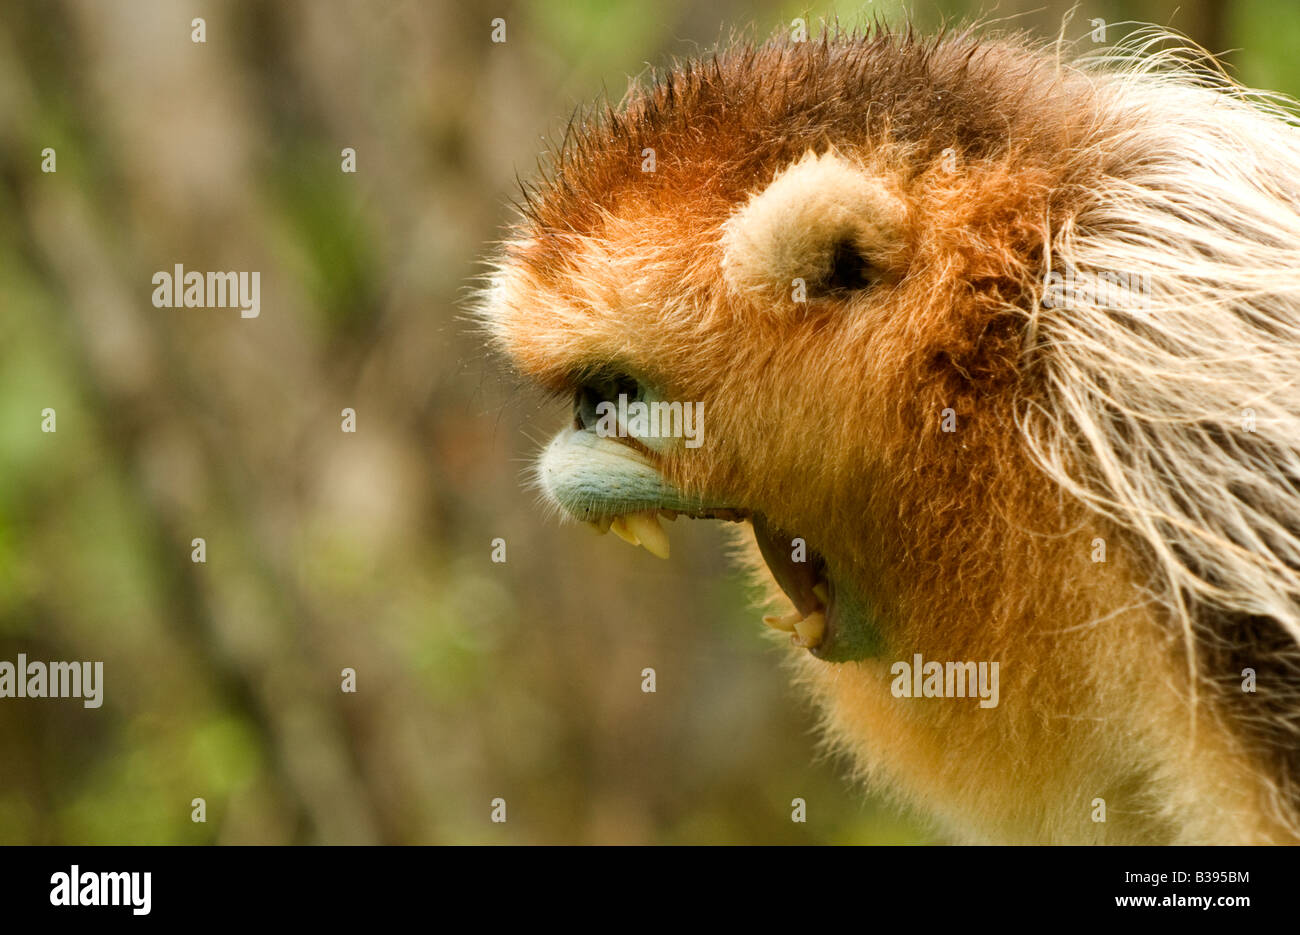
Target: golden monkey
<point x="996" y="355"/>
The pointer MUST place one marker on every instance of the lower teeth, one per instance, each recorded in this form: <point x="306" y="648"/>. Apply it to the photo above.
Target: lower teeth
<point x="804" y="631"/>
<point x="808" y="631"/>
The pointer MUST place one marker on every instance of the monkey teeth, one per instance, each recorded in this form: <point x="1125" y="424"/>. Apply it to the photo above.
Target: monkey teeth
<point x="785" y="623"/>
<point x="641" y="529"/>
<point x="808" y="631"/>
<point x="805" y="631"/>
<point x="620" y="528"/>
<point x="645" y="526"/>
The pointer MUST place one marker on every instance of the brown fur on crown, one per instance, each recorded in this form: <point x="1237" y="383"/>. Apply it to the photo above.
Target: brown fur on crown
<point x="968" y="548"/>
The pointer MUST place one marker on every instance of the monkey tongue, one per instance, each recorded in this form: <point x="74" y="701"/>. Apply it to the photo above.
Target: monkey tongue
<point x="797" y="579"/>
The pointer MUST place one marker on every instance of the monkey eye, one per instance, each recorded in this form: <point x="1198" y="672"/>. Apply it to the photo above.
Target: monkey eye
<point x="596" y="390"/>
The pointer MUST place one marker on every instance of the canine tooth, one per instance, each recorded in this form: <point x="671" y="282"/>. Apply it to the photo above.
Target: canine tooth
<point x="784" y="623"/>
<point x="603" y="524"/>
<point x="808" y="631"/>
<point x="599" y="526"/>
<point x="820" y="590"/>
<point x="618" y="525"/>
<point x="645" y="526"/>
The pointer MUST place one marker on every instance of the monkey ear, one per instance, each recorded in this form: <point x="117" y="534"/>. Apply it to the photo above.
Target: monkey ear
<point x="824" y="221"/>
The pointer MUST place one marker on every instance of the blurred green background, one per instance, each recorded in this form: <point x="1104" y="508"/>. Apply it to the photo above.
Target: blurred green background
<point x="370" y="550"/>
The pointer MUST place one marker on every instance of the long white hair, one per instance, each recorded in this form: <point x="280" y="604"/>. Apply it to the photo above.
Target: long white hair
<point x="1176" y="414"/>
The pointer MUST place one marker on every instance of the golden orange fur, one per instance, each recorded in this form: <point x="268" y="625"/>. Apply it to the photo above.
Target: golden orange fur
<point x="827" y="415"/>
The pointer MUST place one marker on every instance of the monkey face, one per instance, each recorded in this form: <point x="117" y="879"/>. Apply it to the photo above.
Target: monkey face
<point x="733" y="359"/>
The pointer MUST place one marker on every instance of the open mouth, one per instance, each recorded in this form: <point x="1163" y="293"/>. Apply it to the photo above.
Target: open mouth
<point x="610" y="481"/>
